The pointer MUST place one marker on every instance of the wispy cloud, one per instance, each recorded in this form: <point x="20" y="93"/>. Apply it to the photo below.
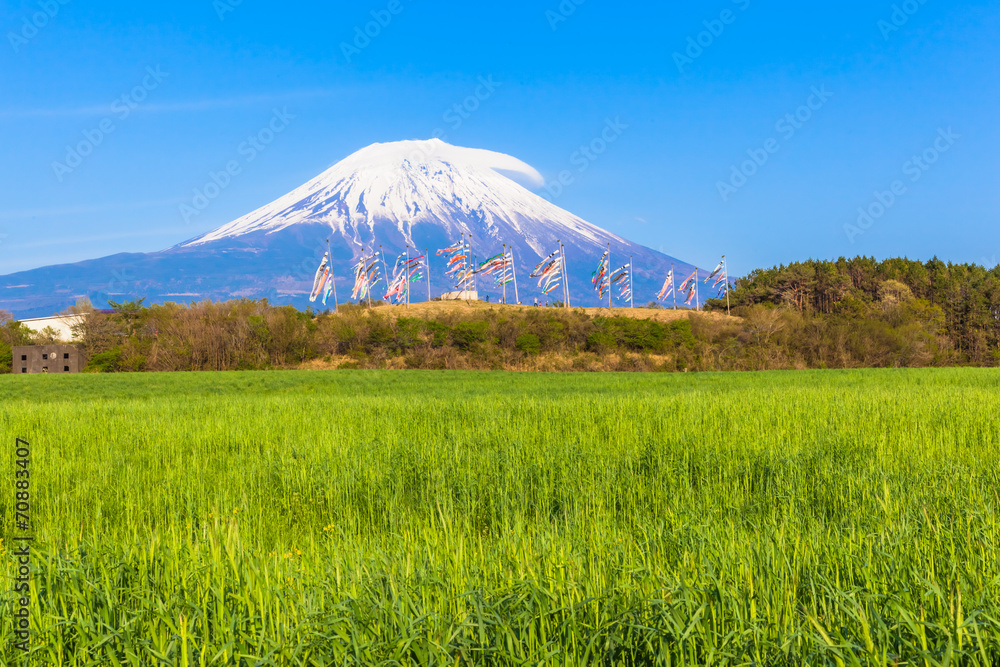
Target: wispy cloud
<point x="167" y="107"/>
<point x="58" y="212"/>
<point x="175" y="232"/>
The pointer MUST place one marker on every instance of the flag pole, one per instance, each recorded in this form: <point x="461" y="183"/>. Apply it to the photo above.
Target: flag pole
<point x="336" y="306"/>
<point x="385" y="269"/>
<point x="504" y="272"/>
<point x="631" y="287"/>
<point x="513" y="272"/>
<point x="569" y="297"/>
<point x="427" y="258"/>
<point x="697" y="291"/>
<point x="725" y="275"/>
<point x="609" y="276"/>
<point x="406" y="275"/>
<point x="562" y="268"/>
<point x="367" y="281"/>
<point x="465" y="262"/>
<point x="673" y="284"/>
<point x="565" y="267"/>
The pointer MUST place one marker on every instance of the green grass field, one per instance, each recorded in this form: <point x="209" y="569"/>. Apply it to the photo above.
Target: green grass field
<point x="811" y="518"/>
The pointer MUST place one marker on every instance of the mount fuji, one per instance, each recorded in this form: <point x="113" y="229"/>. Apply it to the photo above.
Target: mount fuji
<point x="407" y="195"/>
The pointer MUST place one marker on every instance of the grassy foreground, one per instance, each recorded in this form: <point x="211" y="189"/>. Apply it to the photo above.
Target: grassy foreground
<point x="841" y="518"/>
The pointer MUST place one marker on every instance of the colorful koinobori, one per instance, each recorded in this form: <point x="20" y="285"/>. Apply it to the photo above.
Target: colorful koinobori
<point x="406" y="271"/>
<point x="601" y="278"/>
<point x="551" y="274"/>
<point x="366" y="275"/>
<point x="502" y="268"/>
<point x="459" y="263"/>
<point x="623" y="278"/>
<point x="668" y="288"/>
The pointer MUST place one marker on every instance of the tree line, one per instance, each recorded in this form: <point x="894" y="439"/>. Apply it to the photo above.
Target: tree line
<point x="850" y="313"/>
<point x="963" y="299"/>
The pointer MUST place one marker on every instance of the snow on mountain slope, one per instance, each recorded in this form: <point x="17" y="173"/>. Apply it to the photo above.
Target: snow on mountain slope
<point x="406" y="183"/>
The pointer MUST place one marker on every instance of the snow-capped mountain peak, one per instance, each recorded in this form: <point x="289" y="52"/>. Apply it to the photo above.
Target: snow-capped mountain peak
<point x="397" y="186"/>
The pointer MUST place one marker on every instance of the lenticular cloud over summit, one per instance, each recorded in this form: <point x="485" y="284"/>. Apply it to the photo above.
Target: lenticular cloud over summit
<point x="396" y="198"/>
<point x="406" y="183"/>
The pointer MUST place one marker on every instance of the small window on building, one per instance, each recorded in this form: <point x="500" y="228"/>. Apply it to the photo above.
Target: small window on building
<point x="65" y="355"/>
<point x="45" y="356"/>
<point x="24" y="370"/>
<point x="45" y="369"/>
<point x="24" y="357"/>
<point x="65" y="369"/>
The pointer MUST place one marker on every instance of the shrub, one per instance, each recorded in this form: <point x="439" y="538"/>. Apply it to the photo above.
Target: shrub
<point x="529" y="344"/>
<point x="467" y="334"/>
<point x="105" y="362"/>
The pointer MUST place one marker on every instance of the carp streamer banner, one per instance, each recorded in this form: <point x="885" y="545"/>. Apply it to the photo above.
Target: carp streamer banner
<point x="365" y="275"/>
<point x="601" y="278"/>
<point x="458" y="264"/>
<point x="622" y="277"/>
<point x="500" y="267"/>
<point x="668" y="287"/>
<point x="549" y="272"/>
<point x="322" y="276"/>
<point x="404" y="272"/>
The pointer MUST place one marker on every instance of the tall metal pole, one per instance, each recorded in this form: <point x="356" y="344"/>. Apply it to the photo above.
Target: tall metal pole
<point x="406" y="275"/>
<point x="427" y="258"/>
<point x="513" y="272"/>
<point x="673" y="284"/>
<point x="609" y="276"/>
<point x="565" y="267"/>
<point x="562" y="268"/>
<point x="366" y="280"/>
<point x="504" y="274"/>
<point x="385" y="269"/>
<point x="333" y="278"/>
<point x="467" y="265"/>
<point x="631" y="287"/>
<point x="725" y="276"/>
<point x="697" y="291"/>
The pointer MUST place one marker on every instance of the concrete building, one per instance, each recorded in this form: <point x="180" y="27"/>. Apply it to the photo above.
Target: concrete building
<point x="47" y="359"/>
<point x="469" y="295"/>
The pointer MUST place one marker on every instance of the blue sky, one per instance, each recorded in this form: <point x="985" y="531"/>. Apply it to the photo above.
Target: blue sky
<point x="695" y="91"/>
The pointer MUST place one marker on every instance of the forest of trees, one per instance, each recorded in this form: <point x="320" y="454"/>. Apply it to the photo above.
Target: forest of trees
<point x="852" y="313"/>
<point x="965" y="297"/>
